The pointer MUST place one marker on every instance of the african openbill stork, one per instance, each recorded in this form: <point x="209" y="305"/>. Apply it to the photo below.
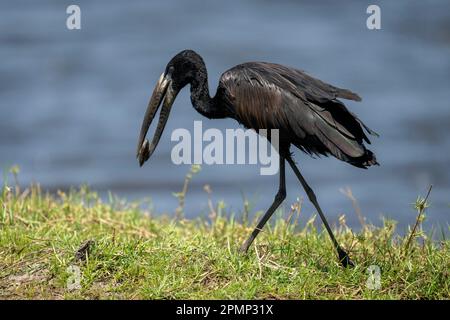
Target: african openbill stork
<point x="261" y="95"/>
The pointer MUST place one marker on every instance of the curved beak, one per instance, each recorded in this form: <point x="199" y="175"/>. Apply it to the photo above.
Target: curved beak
<point x="163" y="89"/>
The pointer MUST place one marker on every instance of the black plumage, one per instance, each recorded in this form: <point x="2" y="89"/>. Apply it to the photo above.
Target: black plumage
<point x="307" y="112"/>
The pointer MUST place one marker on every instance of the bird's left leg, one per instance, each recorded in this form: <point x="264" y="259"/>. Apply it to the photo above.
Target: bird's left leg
<point x="279" y="197"/>
<point x="343" y="256"/>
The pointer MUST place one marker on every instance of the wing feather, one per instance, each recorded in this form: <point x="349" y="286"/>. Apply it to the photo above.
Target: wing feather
<point x="272" y="96"/>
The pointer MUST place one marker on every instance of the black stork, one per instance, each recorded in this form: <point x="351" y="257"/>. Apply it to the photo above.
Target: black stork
<point x="261" y="95"/>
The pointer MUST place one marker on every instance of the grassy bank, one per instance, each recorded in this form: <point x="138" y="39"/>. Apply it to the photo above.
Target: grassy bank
<point x="122" y="252"/>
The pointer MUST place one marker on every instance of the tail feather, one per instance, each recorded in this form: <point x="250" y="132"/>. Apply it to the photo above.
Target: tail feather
<point x="347" y="94"/>
<point x="343" y="147"/>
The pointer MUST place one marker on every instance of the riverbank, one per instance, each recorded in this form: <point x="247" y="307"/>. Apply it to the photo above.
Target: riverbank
<point x="74" y="246"/>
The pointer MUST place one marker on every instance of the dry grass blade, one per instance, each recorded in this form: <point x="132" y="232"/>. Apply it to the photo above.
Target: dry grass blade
<point x="421" y="205"/>
<point x="348" y="193"/>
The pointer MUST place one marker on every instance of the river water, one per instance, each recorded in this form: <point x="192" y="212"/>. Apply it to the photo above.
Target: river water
<point x="72" y="101"/>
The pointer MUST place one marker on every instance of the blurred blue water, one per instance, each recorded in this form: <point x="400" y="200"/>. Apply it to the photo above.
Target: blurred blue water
<point x="71" y="102"/>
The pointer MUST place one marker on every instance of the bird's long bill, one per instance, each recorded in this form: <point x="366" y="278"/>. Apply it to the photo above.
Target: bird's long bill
<point x="163" y="89"/>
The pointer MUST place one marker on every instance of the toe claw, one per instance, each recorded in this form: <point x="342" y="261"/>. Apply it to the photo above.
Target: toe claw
<point x="344" y="259"/>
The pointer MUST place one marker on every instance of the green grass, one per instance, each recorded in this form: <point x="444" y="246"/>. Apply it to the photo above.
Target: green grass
<point x="133" y="255"/>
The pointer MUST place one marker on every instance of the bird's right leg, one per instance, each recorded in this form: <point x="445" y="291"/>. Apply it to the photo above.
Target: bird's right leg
<point x="279" y="197"/>
<point x="343" y="256"/>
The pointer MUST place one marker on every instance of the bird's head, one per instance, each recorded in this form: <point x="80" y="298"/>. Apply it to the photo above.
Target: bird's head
<point x="181" y="70"/>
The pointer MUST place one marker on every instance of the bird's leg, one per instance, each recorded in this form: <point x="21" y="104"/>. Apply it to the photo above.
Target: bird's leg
<point x="279" y="197"/>
<point x="343" y="256"/>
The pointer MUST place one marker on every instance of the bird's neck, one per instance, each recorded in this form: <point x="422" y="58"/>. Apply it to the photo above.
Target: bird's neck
<point x="200" y="98"/>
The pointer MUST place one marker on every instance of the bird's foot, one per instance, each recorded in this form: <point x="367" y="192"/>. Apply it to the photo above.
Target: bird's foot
<point x="244" y="248"/>
<point x="344" y="259"/>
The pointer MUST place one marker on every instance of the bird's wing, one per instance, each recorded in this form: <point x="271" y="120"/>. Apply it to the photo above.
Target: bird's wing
<point x="271" y="96"/>
<point x="299" y="82"/>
